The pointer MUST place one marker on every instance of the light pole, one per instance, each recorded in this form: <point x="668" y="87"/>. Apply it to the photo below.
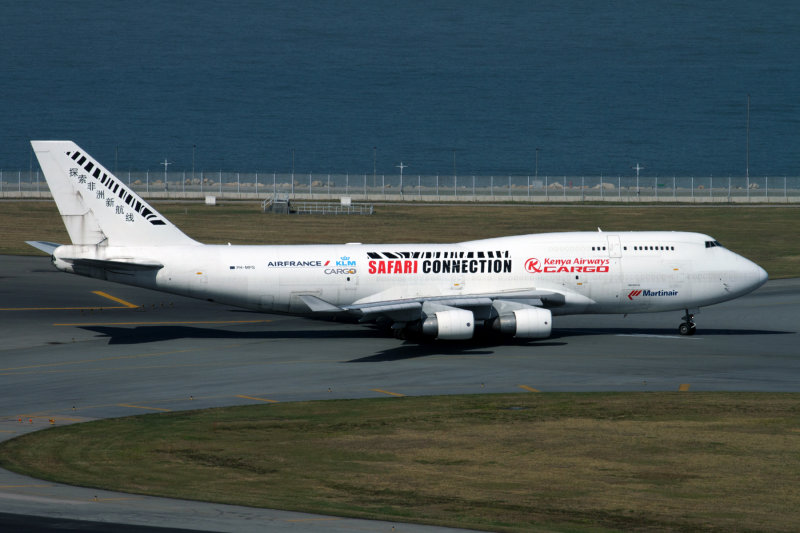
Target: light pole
<point x="401" y="166"/>
<point x="637" y="168"/>
<point x="747" y="156"/>
<point x="166" y="164"/>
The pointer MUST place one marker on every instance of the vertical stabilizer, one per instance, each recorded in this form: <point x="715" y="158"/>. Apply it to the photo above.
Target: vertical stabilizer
<point x="97" y="207"/>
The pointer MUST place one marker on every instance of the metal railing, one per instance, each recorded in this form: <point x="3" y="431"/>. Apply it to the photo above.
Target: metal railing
<point x="372" y="187"/>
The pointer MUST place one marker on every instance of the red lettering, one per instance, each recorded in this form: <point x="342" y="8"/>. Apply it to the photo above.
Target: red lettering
<point x="372" y="267"/>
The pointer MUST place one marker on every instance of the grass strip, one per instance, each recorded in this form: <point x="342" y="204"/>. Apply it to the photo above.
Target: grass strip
<point x="510" y="462"/>
<point x="766" y="234"/>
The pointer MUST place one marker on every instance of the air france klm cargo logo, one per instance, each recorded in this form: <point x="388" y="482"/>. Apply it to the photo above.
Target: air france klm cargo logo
<point x="344" y="265"/>
<point x="648" y="293"/>
<point x="451" y="262"/>
<point x="577" y="264"/>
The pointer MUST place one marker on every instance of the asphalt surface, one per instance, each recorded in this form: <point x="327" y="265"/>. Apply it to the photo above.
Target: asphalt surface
<point x="69" y="354"/>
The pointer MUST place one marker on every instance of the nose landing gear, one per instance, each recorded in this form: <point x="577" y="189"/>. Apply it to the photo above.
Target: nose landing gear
<point x="687" y="327"/>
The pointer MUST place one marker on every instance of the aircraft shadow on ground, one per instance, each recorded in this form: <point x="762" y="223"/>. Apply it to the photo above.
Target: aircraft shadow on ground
<point x="480" y="345"/>
<point x="475" y="347"/>
<point x="563" y="333"/>
<point x="406" y="350"/>
<point x="147" y="334"/>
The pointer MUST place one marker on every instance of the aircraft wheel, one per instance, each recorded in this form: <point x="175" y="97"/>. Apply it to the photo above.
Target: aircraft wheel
<point x="687" y="328"/>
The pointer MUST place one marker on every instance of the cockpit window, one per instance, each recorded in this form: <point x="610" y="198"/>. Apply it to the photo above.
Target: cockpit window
<point x="712" y="244"/>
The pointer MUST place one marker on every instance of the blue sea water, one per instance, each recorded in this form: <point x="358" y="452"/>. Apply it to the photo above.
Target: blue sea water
<point x="483" y="86"/>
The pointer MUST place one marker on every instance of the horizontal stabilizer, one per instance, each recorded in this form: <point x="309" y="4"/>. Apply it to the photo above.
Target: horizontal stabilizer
<point x="46" y="247"/>
<point x="125" y="265"/>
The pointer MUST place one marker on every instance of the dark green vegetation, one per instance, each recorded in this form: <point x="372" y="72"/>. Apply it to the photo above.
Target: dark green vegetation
<point x="564" y="462"/>
<point x="767" y="235"/>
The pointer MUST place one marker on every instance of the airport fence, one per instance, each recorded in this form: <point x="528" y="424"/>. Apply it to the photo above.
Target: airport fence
<point x="426" y="188"/>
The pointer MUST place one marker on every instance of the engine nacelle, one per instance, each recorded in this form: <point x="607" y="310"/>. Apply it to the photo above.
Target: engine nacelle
<point x="455" y="324"/>
<point x="527" y="323"/>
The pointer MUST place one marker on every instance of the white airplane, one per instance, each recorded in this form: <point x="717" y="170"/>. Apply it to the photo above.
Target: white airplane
<point x="513" y="285"/>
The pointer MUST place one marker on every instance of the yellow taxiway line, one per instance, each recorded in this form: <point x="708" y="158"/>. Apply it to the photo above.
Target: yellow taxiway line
<point x="397" y="394"/>
<point x="256" y="399"/>
<point x="125" y="305"/>
<point x="115" y="299"/>
<point x="143" y="407"/>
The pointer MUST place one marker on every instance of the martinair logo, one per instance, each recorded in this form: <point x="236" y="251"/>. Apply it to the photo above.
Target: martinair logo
<point x="577" y="264"/>
<point x="647" y="293"/>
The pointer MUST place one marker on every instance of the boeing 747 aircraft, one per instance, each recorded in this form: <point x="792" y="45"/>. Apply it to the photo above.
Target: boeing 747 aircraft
<point x="514" y="285"/>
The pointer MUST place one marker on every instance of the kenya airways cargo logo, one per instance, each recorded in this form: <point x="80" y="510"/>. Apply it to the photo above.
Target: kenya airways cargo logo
<point x="533" y="266"/>
<point x="576" y="264"/>
<point x="647" y="292"/>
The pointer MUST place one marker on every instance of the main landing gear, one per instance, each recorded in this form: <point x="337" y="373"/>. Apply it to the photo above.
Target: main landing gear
<point x="687" y="327"/>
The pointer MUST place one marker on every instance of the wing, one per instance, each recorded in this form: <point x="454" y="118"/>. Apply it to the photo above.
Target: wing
<point x="522" y="313"/>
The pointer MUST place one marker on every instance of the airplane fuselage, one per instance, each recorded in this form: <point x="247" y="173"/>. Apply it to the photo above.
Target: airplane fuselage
<point x="596" y="272"/>
<point x="513" y="285"/>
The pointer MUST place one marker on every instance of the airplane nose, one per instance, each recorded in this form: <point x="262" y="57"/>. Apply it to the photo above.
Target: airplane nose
<point x="761" y="276"/>
<point x="754" y="276"/>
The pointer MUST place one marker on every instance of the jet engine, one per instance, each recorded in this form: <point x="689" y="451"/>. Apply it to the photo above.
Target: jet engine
<point x="453" y="324"/>
<point x="525" y="323"/>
